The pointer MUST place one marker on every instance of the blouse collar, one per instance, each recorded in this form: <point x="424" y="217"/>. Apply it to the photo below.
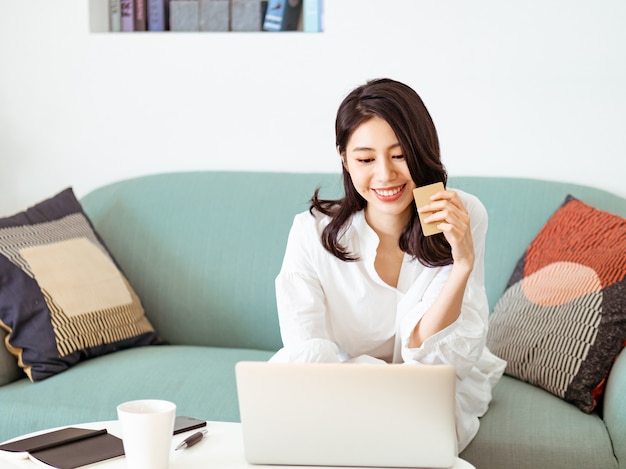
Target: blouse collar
<point x="363" y="242"/>
<point x="367" y="239"/>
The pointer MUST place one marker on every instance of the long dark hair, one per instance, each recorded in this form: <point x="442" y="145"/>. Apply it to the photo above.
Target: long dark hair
<point x="406" y="114"/>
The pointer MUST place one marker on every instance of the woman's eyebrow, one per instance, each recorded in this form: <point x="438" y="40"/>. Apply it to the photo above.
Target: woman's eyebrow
<point x="391" y="147"/>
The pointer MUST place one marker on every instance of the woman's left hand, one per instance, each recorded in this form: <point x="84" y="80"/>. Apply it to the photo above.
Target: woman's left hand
<point x="452" y="218"/>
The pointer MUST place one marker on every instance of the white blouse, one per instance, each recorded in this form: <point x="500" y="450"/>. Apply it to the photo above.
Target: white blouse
<point x="335" y="311"/>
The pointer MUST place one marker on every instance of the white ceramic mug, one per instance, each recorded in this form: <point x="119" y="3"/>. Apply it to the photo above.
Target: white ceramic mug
<point x="147" y="428"/>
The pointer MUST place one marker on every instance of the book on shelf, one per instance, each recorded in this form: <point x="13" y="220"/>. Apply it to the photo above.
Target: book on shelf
<point x="184" y="15"/>
<point x="99" y="16"/>
<point x="312" y="16"/>
<point x="127" y="14"/>
<point x="282" y="15"/>
<point x="67" y="448"/>
<point x="247" y="15"/>
<point x="158" y="15"/>
<point x="141" y="24"/>
<point x="115" y="16"/>
<point x="214" y="15"/>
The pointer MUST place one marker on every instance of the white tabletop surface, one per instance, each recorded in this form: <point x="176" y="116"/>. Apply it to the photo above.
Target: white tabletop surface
<point x="221" y="448"/>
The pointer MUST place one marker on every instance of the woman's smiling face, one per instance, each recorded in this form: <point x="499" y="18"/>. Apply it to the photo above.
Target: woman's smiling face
<point x="379" y="171"/>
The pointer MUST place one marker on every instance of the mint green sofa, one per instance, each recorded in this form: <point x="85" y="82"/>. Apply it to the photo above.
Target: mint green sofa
<point x="202" y="250"/>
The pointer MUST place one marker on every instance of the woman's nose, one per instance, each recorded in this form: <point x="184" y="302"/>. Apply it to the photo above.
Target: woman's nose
<point x="384" y="169"/>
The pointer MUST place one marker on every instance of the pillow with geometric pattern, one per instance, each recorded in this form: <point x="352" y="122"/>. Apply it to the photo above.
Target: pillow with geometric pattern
<point x="63" y="298"/>
<point x="561" y="321"/>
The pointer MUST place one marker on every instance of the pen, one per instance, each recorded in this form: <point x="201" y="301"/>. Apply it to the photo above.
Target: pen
<point x="191" y="440"/>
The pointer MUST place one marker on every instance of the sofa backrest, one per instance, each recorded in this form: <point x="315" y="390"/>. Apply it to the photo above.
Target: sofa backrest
<point x="202" y="249"/>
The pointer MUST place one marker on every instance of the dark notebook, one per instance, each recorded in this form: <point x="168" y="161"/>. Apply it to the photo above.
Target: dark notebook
<point x="69" y="448"/>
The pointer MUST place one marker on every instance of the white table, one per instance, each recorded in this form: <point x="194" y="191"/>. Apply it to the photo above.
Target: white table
<point x="221" y="448"/>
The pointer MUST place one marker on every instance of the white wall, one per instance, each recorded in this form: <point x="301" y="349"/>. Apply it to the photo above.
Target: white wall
<point x="520" y="88"/>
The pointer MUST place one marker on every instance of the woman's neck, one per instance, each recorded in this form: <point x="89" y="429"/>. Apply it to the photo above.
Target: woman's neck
<point x="387" y="226"/>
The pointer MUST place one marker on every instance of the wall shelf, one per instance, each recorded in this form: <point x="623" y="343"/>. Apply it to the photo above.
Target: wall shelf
<point x="232" y="16"/>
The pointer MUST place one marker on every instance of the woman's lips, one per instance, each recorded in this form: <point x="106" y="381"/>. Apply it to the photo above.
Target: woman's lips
<point x="389" y="194"/>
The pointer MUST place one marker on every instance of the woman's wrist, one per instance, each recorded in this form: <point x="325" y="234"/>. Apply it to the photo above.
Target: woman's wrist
<point x="462" y="268"/>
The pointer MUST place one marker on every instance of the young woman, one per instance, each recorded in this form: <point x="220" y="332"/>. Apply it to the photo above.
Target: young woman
<point x="361" y="283"/>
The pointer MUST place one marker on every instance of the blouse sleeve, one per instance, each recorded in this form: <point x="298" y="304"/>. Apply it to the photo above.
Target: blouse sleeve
<point x="461" y="344"/>
<point x="300" y="300"/>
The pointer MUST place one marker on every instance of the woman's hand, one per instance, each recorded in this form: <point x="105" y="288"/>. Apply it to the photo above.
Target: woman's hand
<point x="452" y="218"/>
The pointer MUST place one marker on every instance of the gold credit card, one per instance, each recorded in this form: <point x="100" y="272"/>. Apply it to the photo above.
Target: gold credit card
<point x="422" y="197"/>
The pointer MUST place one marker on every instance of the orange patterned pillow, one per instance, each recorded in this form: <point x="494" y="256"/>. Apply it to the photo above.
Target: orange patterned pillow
<point x="561" y="321"/>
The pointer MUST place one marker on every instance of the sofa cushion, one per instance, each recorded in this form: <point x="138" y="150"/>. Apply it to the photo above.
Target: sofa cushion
<point x="199" y="379"/>
<point x="62" y="296"/>
<point x="526" y="427"/>
<point x="561" y="322"/>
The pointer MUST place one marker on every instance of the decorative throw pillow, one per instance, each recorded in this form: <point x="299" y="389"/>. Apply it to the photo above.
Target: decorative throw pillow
<point x="561" y="321"/>
<point x="62" y="296"/>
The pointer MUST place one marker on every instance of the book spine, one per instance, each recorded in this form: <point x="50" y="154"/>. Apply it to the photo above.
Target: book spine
<point x="283" y="15"/>
<point x="99" y="17"/>
<point x="312" y="16"/>
<point x="274" y="15"/>
<point x="214" y="15"/>
<point x="115" y="16"/>
<point x="246" y="15"/>
<point x="293" y="15"/>
<point x="184" y="15"/>
<point x="140" y="15"/>
<point x="127" y="13"/>
<point x="157" y="15"/>
<point x="263" y="11"/>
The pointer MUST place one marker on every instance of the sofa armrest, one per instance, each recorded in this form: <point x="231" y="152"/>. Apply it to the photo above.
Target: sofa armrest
<point x="615" y="408"/>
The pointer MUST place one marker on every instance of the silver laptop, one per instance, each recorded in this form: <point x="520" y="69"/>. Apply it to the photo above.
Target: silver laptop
<point x="347" y="414"/>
